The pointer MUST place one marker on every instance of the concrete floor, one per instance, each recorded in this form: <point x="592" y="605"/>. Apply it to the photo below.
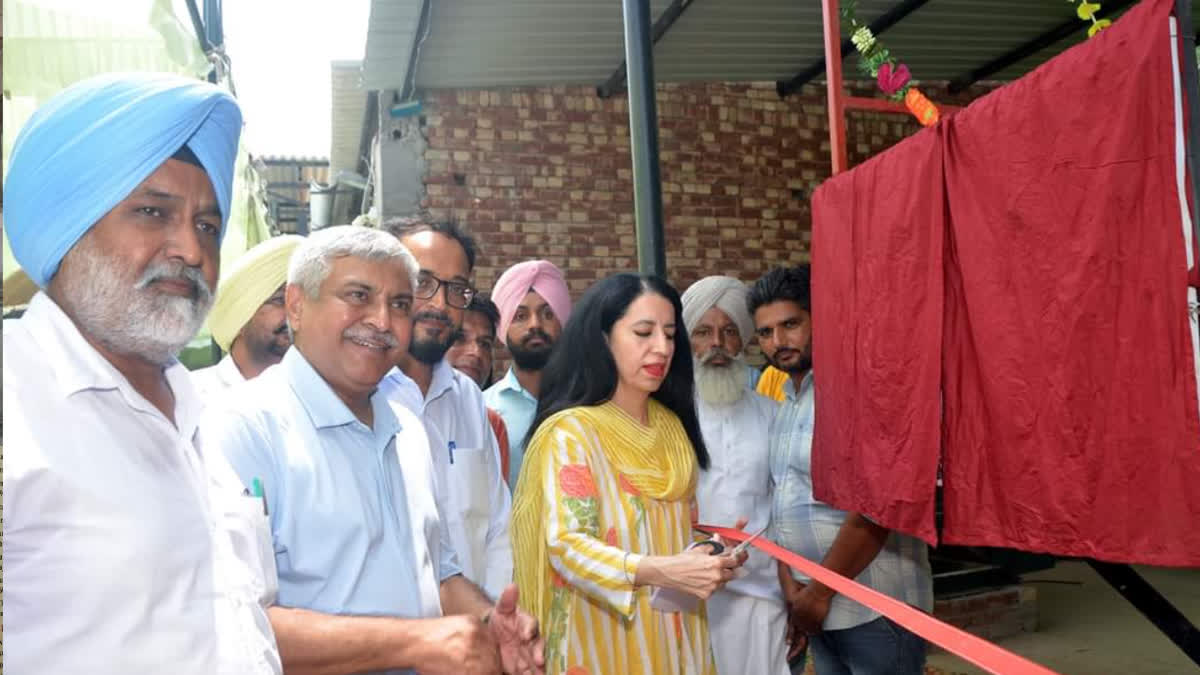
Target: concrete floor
<point x="1086" y="628"/>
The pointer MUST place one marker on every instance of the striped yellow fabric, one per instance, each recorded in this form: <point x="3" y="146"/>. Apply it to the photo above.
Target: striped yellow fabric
<point x="770" y="383"/>
<point x="597" y="492"/>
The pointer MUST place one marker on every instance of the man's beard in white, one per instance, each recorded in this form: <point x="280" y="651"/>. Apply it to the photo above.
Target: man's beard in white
<point x="127" y="315"/>
<point x="720" y="385"/>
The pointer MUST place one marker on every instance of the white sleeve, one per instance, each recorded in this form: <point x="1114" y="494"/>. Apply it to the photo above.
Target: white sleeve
<point x="499" y="571"/>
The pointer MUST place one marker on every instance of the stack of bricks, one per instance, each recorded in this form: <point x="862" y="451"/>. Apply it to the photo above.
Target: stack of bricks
<point x="992" y="615"/>
<point x="545" y="173"/>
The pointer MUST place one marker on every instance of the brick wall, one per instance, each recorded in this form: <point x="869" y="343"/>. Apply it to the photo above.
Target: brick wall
<point x="545" y="172"/>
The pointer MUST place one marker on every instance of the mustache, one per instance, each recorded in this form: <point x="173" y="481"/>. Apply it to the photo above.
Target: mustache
<point x="365" y="334"/>
<point x="176" y="271"/>
<point x="281" y="329"/>
<point x="432" y="315"/>
<point x="708" y="356"/>
<point x="536" y="333"/>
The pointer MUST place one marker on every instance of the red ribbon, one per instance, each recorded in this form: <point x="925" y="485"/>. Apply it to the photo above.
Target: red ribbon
<point x="976" y="650"/>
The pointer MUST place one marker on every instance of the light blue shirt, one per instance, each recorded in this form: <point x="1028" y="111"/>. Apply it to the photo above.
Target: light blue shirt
<point x="353" y="519"/>
<point x="808" y="527"/>
<point x="518" y="408"/>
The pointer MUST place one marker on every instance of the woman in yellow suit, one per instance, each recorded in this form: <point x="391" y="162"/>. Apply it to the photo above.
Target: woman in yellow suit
<point x="602" y="518"/>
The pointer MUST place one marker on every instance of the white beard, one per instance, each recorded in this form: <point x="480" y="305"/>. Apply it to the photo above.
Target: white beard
<point x="124" y="314"/>
<point x="721" y="385"/>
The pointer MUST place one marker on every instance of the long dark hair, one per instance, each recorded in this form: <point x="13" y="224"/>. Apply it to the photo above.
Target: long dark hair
<point x="581" y="370"/>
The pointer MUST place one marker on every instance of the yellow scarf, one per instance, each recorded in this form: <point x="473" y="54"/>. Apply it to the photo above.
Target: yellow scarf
<point x="658" y="459"/>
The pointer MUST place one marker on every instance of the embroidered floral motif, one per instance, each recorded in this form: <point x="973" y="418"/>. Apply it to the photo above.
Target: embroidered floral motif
<point x="556" y="632"/>
<point x="576" y="481"/>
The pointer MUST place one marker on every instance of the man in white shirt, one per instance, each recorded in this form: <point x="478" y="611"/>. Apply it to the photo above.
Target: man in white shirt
<point x="475" y="502"/>
<point x="747" y="619"/>
<point x="247" y="320"/>
<point x="366" y="569"/>
<point x="128" y="548"/>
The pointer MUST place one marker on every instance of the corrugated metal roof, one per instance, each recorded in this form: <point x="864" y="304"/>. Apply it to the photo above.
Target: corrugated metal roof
<point x="487" y="43"/>
<point x="349" y="100"/>
<point x="390" y="33"/>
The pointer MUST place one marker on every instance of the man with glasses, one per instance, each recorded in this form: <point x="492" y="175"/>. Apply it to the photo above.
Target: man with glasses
<point x="473" y="498"/>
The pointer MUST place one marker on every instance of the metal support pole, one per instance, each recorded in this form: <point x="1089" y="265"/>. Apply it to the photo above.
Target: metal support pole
<point x="833" y="85"/>
<point x="213" y="23"/>
<point x="643" y="138"/>
<point x="1188" y="71"/>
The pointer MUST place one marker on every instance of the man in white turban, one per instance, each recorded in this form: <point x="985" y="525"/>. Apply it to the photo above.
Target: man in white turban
<point x="248" y="320"/>
<point x="127" y="548"/>
<point x="747" y="619"/>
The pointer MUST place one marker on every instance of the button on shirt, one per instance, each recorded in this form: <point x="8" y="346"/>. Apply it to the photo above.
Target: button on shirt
<point x="808" y="527"/>
<point x="476" y="503"/>
<point x="352" y="508"/>
<point x="117" y="551"/>
<point x="518" y="408"/>
<point x="738" y="480"/>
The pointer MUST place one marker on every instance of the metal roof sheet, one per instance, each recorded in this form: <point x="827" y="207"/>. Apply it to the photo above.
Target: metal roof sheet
<point x="489" y="43"/>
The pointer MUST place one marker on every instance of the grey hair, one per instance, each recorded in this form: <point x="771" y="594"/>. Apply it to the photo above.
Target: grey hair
<point x="312" y="261"/>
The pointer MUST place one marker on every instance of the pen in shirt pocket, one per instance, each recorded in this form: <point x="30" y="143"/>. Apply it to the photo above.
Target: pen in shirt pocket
<point x="450" y="448"/>
<point x="260" y="493"/>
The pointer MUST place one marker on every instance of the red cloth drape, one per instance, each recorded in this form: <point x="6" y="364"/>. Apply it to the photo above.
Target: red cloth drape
<point x="877" y="333"/>
<point x="1069" y="406"/>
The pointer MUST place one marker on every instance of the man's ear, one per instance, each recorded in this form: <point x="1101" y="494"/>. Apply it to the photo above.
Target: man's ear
<point x="294" y="298"/>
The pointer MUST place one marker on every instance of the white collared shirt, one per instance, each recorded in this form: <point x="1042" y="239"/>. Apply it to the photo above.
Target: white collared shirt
<point x="218" y="378"/>
<point x="119" y="555"/>
<point x="738" y="480"/>
<point x="476" y="504"/>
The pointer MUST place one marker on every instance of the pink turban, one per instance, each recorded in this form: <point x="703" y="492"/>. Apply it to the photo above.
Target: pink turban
<point x="532" y="275"/>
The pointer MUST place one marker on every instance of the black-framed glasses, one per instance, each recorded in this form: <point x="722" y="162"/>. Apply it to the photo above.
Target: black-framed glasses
<point x="458" y="293"/>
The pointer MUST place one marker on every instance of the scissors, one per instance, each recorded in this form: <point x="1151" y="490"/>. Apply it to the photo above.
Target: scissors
<point x="718" y="548"/>
<point x="741" y="548"/>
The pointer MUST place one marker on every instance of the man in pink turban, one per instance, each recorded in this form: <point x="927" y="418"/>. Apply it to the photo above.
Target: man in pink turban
<point x="534" y="304"/>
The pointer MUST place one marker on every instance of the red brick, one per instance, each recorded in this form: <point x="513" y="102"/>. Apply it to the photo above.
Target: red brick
<point x="548" y="175"/>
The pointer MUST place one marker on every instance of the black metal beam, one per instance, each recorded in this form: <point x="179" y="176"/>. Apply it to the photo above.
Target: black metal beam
<point x="885" y="21"/>
<point x="643" y="139"/>
<point x="214" y="25"/>
<point x="1152" y="605"/>
<point x="1071" y="26"/>
<point x="615" y="83"/>
<point x="414" y="53"/>
<point x="198" y="26"/>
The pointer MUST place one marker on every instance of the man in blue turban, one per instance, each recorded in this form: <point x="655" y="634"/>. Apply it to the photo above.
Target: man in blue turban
<point x="128" y="548"/>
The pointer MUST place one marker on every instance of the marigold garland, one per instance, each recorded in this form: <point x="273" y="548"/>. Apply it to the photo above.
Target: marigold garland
<point x="893" y="78"/>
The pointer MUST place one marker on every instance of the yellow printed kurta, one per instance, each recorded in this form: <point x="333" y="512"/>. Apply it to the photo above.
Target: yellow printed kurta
<point x="598" y="526"/>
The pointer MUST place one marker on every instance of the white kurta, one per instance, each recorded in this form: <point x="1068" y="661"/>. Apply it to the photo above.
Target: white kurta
<point x="120" y="542"/>
<point x="746" y="619"/>
<point x="475" y="502"/>
<point x="219" y="378"/>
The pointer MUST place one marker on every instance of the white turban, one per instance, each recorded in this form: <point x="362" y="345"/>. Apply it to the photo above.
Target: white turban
<point x="726" y="294"/>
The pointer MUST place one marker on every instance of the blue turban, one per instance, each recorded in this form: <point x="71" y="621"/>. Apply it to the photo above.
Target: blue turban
<point x="89" y="147"/>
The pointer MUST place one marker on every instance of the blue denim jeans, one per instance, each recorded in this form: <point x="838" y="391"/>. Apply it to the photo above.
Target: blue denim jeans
<point x="877" y="647"/>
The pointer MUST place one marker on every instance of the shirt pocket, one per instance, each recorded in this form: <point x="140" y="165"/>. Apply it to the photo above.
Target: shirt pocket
<point x="248" y="561"/>
<point x="471" y="485"/>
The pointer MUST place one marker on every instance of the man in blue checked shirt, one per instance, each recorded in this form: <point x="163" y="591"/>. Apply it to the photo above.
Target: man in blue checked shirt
<point x="846" y="638"/>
